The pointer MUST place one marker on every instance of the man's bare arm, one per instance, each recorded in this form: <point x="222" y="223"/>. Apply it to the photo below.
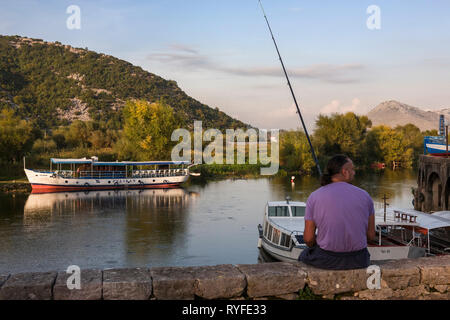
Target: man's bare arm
<point x="309" y="235"/>
<point x="371" y="228"/>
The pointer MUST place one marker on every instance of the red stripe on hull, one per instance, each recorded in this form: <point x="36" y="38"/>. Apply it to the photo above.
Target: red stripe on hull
<point x="40" y="188"/>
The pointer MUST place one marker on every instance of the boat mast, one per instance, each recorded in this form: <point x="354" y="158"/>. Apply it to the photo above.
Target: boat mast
<point x="292" y="91"/>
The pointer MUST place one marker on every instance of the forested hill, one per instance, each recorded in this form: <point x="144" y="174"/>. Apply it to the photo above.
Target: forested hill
<point x="56" y="84"/>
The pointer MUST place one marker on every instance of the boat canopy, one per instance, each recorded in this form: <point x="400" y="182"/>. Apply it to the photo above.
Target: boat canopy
<point x="443" y="214"/>
<point x="423" y="220"/>
<point x="115" y="163"/>
<point x="285" y="203"/>
<point x="77" y="161"/>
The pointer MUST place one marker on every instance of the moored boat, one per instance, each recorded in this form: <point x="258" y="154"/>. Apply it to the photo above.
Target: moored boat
<point x="91" y="174"/>
<point x="436" y="146"/>
<point x="281" y="234"/>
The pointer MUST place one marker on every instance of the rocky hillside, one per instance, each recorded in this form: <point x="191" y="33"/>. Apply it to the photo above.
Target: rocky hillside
<point x="393" y="113"/>
<point x="56" y="84"/>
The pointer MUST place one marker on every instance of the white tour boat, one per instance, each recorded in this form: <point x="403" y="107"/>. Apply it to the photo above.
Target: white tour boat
<point x="91" y="174"/>
<point x="281" y="234"/>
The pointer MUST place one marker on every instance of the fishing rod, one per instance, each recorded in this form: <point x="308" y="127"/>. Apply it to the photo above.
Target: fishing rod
<point x="292" y="91"/>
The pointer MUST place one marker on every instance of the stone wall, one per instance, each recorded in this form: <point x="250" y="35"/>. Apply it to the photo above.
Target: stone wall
<point x="423" y="278"/>
<point x="433" y="184"/>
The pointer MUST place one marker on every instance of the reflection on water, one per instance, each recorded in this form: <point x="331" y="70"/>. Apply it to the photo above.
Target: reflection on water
<point x="204" y="224"/>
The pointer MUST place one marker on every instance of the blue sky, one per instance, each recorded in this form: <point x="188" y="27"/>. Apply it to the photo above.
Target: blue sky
<point x="220" y="51"/>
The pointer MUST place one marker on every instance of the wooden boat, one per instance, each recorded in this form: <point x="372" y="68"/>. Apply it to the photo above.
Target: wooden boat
<point x="91" y="174"/>
<point x="281" y="234"/>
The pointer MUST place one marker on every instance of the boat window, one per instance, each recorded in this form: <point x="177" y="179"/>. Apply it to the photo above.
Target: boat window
<point x="276" y="235"/>
<point x="280" y="211"/>
<point x="285" y="240"/>
<point x="298" y="211"/>
<point x="269" y="236"/>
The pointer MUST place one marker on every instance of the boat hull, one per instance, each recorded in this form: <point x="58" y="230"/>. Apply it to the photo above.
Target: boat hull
<point x="377" y="253"/>
<point x="279" y="253"/>
<point x="44" y="182"/>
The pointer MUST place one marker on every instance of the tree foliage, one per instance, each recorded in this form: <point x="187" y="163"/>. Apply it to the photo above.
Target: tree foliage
<point x="147" y="131"/>
<point x="16" y="136"/>
<point x="295" y="152"/>
<point x="341" y="133"/>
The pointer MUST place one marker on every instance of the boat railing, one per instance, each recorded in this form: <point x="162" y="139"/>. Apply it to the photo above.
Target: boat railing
<point x="102" y="174"/>
<point x="434" y="139"/>
<point x="159" y="173"/>
<point x="121" y="174"/>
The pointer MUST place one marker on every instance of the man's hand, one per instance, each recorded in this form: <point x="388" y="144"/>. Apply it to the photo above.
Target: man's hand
<point x="309" y="235"/>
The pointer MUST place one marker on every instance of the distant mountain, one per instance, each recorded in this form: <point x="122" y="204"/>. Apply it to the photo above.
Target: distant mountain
<point x="55" y="84"/>
<point x="393" y="113"/>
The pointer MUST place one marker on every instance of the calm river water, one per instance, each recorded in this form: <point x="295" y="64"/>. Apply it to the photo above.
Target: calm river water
<point x="205" y="223"/>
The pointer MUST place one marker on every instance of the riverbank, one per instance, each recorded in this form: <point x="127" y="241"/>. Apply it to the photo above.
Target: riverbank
<point x="409" y="279"/>
<point x="15" y="186"/>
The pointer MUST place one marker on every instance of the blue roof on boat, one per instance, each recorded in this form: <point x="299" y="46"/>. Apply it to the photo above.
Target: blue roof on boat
<point x="116" y="163"/>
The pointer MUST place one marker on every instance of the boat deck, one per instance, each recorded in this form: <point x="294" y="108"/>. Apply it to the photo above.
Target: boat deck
<point x="289" y="224"/>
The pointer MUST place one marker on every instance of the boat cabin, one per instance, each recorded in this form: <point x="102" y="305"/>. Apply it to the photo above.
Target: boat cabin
<point x="93" y="169"/>
<point x="284" y="223"/>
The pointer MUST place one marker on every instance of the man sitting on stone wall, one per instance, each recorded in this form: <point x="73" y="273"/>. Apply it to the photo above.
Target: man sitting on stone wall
<point x="344" y="217"/>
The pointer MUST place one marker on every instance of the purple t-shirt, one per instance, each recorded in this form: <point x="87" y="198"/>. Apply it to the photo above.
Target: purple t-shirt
<point x="341" y="213"/>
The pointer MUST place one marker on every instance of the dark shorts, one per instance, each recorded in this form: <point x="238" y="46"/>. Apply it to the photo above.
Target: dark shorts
<point x="324" y="259"/>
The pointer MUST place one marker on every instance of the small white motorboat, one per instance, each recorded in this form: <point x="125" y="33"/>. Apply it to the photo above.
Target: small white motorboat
<point x="281" y="234"/>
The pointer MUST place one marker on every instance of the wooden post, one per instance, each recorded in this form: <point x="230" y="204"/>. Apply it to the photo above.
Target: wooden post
<point x="385" y="204"/>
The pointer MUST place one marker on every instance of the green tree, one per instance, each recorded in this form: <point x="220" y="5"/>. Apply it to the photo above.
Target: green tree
<point x="295" y="152"/>
<point x="390" y="145"/>
<point x="78" y="134"/>
<point x="16" y="136"/>
<point x="341" y="133"/>
<point x="147" y="131"/>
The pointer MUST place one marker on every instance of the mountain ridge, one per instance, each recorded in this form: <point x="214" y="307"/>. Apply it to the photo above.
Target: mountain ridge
<point x="393" y="113"/>
<point x="57" y="84"/>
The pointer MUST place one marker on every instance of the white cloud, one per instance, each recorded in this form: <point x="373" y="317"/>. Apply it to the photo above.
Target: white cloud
<point x="335" y="106"/>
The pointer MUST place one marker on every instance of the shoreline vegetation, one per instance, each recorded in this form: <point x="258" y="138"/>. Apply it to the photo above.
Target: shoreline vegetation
<point x="146" y="136"/>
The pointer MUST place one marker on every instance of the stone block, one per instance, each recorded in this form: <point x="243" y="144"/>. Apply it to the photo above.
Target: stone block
<point x="411" y="293"/>
<point x="218" y="282"/>
<point x="173" y="283"/>
<point x="127" y="284"/>
<point x="273" y="279"/>
<point x="289" y="296"/>
<point x="435" y="270"/>
<point x="436" y="296"/>
<point x="91" y="286"/>
<point x="400" y="274"/>
<point x="3" y="278"/>
<point x="328" y="282"/>
<point x="28" y="286"/>
<point x="442" y="288"/>
<point x="381" y="294"/>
